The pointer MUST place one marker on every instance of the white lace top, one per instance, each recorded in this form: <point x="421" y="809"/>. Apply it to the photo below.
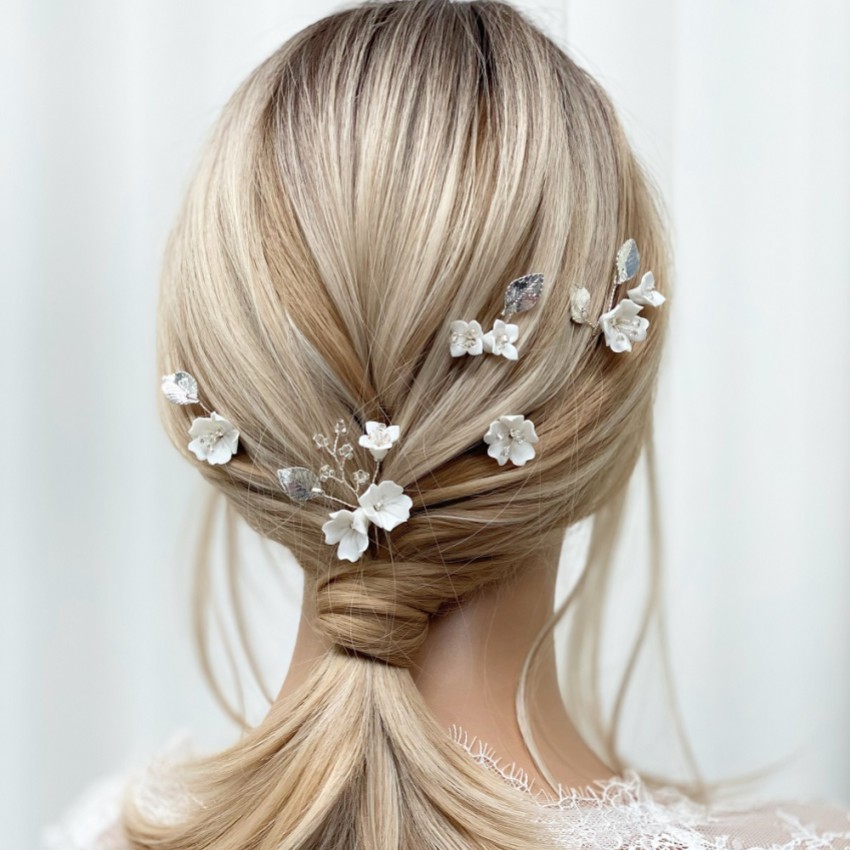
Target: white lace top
<point x="622" y="812"/>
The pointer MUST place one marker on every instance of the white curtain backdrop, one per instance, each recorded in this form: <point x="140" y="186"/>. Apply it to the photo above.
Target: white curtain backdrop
<point x="742" y="112"/>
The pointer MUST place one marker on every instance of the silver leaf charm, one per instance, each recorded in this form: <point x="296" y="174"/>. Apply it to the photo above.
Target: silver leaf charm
<point x="180" y="388"/>
<point x="523" y="293"/>
<point x="628" y="260"/>
<point x="299" y="483"/>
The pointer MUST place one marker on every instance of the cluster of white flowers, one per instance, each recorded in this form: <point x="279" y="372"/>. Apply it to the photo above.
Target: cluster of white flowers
<point x="621" y="325"/>
<point x="469" y="338"/>
<point x="384" y="505"/>
<point x="511" y="437"/>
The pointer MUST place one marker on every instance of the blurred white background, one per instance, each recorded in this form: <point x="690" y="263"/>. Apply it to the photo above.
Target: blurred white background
<point x="742" y="112"/>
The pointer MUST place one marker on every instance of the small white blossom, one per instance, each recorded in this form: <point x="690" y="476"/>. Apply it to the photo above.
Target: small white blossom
<point x="622" y="325"/>
<point x="350" y="530"/>
<point x="579" y="305"/>
<point x="510" y="438"/>
<point x="386" y="504"/>
<point x="215" y="440"/>
<point x="379" y="438"/>
<point x="501" y="339"/>
<point x="645" y="292"/>
<point x="467" y="338"/>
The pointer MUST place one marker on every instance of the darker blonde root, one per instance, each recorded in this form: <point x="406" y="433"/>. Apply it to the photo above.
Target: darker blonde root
<point x="384" y="172"/>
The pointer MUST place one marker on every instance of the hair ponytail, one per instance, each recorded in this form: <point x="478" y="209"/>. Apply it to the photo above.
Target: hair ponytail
<point x="353" y="759"/>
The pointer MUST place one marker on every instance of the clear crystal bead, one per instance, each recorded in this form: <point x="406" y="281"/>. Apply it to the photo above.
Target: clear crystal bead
<point x="346" y="450"/>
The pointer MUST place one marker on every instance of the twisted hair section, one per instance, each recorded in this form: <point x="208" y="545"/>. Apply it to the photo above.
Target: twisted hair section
<point x="384" y="172"/>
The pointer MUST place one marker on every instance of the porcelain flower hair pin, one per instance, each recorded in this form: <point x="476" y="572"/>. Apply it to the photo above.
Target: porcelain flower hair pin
<point x="621" y="325"/>
<point x="511" y="438"/>
<point x="383" y="504"/>
<point x="214" y="439"/>
<point x="469" y="337"/>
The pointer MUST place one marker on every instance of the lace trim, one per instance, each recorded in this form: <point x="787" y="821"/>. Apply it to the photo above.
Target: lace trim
<point x="612" y="791"/>
<point x="622" y="811"/>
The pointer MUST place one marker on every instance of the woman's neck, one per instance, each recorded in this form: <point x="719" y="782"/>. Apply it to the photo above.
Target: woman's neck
<point x="469" y="667"/>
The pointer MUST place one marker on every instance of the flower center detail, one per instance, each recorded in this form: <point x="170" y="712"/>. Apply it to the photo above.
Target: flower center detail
<point x="468" y="339"/>
<point x="210" y="439"/>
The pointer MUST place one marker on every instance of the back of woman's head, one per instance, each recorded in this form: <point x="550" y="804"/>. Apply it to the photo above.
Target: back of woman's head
<point x="387" y="171"/>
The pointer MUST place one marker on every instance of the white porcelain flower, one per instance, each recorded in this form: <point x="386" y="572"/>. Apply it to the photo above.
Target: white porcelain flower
<point x="510" y="438"/>
<point x="622" y="325"/>
<point x="467" y="338"/>
<point x="215" y="439"/>
<point x="645" y="292"/>
<point x="350" y="530"/>
<point x="379" y="438"/>
<point x="385" y="504"/>
<point x="501" y="339"/>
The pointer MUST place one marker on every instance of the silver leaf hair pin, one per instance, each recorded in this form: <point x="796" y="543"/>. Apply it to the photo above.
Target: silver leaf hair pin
<point x="522" y="294"/>
<point x="621" y="325"/>
<point x="214" y="439"/>
<point x="469" y="338"/>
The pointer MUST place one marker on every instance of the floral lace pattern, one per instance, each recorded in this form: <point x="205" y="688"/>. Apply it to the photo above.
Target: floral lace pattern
<point x="623" y="812"/>
<point x="612" y="814"/>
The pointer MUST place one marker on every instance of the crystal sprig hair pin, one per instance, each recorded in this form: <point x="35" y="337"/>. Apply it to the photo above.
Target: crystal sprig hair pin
<point x="621" y="325"/>
<point x="383" y="504"/>
<point x="469" y="337"/>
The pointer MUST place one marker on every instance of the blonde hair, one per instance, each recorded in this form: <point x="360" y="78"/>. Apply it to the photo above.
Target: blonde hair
<point x="385" y="171"/>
